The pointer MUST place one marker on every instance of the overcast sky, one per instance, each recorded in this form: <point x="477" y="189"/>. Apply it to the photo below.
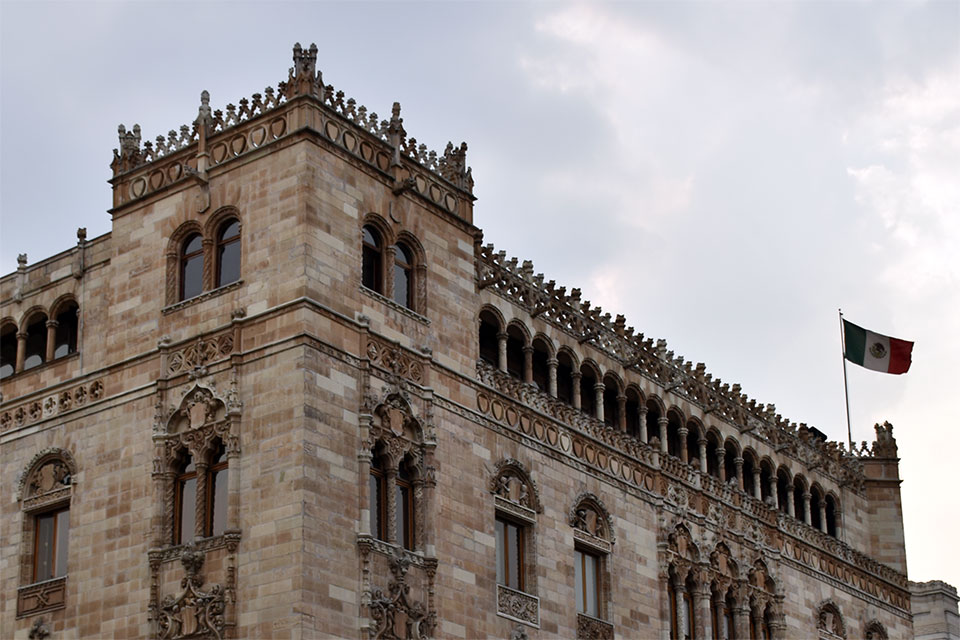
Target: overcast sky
<point x="727" y="175"/>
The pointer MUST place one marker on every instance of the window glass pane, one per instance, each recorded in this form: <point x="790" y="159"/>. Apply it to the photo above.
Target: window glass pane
<point x="231" y="230"/>
<point x="578" y="579"/>
<point x="513" y="556"/>
<point x="501" y="539"/>
<point x="44" y="559"/>
<point x="192" y="277"/>
<point x="229" y="261"/>
<point x="401" y="517"/>
<point x="401" y="285"/>
<point x="63" y="542"/>
<point x="8" y="350"/>
<point x="194" y="244"/>
<point x="376" y="502"/>
<point x="221" y="484"/>
<point x="188" y="510"/>
<point x="36" y="343"/>
<point x="590" y="581"/>
<point x="66" y="334"/>
<point x="371" y="269"/>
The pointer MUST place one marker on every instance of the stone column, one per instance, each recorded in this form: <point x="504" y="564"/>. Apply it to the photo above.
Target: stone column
<point x="741" y="619"/>
<point x="426" y="509"/>
<point x="21" y="350"/>
<point x="389" y="260"/>
<point x="701" y="604"/>
<point x="644" y="437"/>
<point x="598" y="399"/>
<point x="664" y="605"/>
<point x="622" y="412"/>
<point x="703" y="454"/>
<point x="552" y="376"/>
<point x="200" y="525"/>
<point x="391" y="499"/>
<point x="682" y="613"/>
<point x="756" y="620"/>
<point x="684" y="455"/>
<point x="719" y="605"/>
<point x="721" y="454"/>
<point x="823" y="515"/>
<point x="738" y="461"/>
<point x="209" y="275"/>
<point x="790" y="508"/>
<point x="575" y="384"/>
<point x="756" y="483"/>
<point x="233" y="475"/>
<point x="363" y="458"/>
<point x="51" y="339"/>
<point x="528" y="364"/>
<point x="806" y="507"/>
<point x="773" y="492"/>
<point x="502" y="351"/>
<point x="662" y="423"/>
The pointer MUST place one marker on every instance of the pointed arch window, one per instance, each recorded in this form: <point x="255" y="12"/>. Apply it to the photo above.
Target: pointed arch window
<point x="228" y="253"/>
<point x="191" y="267"/>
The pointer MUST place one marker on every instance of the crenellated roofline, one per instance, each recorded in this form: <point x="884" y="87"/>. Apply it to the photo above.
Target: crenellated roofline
<point x="517" y="283"/>
<point x="141" y="168"/>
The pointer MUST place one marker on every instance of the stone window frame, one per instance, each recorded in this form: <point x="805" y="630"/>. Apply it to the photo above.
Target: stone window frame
<point x="593" y="534"/>
<point x="209" y="232"/>
<point x="390" y="238"/>
<point x="394" y="436"/>
<point x="829" y="620"/>
<point x="516" y="499"/>
<point x="46" y="486"/>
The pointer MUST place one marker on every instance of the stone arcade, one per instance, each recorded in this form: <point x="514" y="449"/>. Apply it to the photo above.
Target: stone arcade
<point x="293" y="394"/>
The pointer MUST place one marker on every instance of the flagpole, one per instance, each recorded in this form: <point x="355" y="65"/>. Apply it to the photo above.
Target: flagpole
<point x="846" y="394"/>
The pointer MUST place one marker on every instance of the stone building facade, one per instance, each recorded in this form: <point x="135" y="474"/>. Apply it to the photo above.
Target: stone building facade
<point x="293" y="394"/>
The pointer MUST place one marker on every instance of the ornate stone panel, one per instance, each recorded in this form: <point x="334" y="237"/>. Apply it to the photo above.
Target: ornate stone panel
<point x="518" y="605"/>
<point x="590" y="628"/>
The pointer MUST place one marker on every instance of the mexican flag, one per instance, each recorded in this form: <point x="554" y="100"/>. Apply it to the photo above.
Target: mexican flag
<point x="874" y="351"/>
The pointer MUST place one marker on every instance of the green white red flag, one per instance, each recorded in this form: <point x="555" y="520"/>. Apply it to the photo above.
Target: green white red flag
<point x="875" y="351"/>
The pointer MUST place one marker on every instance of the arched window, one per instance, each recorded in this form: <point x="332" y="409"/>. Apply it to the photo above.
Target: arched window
<point x="185" y="502"/>
<point x="489" y="342"/>
<point x="611" y="401"/>
<point x="378" y="506"/>
<point x="593" y="543"/>
<point x="693" y="444"/>
<point x="799" y="489"/>
<point x="228" y="252"/>
<point x="8" y="350"/>
<point x="783" y="491"/>
<point x="516" y="505"/>
<point x="541" y="366"/>
<point x="713" y="459"/>
<point x="767" y="484"/>
<point x="730" y="455"/>
<point x="66" y="332"/>
<point x="816" y="501"/>
<point x="516" y="341"/>
<point x="218" y="487"/>
<point x="749" y="481"/>
<point x="36" y="351"/>
<point x="653" y="420"/>
<point x="633" y="412"/>
<point x="372" y="259"/>
<point x="403" y="285"/>
<point x="832" y="513"/>
<point x="565" y="377"/>
<point x="674" y="442"/>
<point x="406" y="525"/>
<point x="191" y="267"/>
<point x="45" y="492"/>
<point x="588" y="390"/>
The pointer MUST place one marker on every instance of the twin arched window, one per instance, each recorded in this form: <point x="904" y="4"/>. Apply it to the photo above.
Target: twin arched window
<point x="399" y="283"/>
<point x="194" y="252"/>
<point x="210" y="489"/>
<point x="42" y="339"/>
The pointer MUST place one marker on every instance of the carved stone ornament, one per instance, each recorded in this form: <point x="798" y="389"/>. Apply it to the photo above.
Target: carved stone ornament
<point x="47" y="478"/>
<point x="519" y="632"/>
<point x="510" y="481"/>
<point x="395" y="615"/>
<point x="830" y="621"/>
<point x="39" y="630"/>
<point x="589" y="628"/>
<point x="194" y="613"/>
<point x="589" y="515"/>
<point x="874" y="630"/>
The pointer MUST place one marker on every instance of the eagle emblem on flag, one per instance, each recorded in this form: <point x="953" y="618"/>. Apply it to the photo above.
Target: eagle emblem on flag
<point x="877" y="350"/>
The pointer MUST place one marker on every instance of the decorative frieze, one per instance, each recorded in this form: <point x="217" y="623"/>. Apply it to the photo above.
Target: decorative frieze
<point x="590" y="628"/>
<point x="395" y="359"/>
<point x="199" y="353"/>
<point x="41" y="596"/>
<point x="51" y="405"/>
<point x="518" y="605"/>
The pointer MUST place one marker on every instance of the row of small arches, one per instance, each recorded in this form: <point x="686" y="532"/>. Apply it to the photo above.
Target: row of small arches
<point x="392" y="264"/>
<point x="42" y="335"/>
<point x="514" y="350"/>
